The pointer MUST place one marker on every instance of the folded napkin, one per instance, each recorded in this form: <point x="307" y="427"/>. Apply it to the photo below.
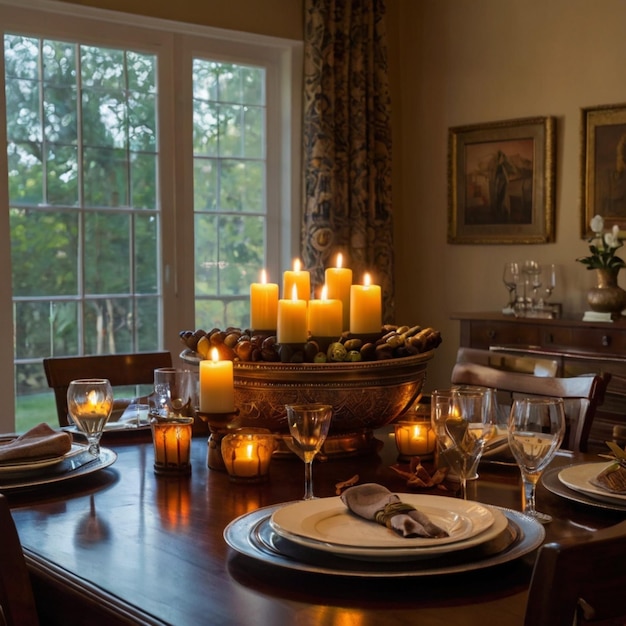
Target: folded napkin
<point x="376" y="503"/>
<point x="40" y="442"/>
<point x="612" y="479"/>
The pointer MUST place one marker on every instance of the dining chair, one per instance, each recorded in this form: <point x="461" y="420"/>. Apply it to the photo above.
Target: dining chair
<point x="580" y="581"/>
<point x="582" y="394"/>
<point x="122" y="370"/>
<point x="17" y="601"/>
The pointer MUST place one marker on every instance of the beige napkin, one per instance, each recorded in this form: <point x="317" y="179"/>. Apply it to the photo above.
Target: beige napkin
<point x="40" y="442"/>
<point x="376" y="503"/>
<point x="612" y="479"/>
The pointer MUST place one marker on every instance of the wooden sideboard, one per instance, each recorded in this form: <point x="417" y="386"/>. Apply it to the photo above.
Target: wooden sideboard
<point x="578" y="348"/>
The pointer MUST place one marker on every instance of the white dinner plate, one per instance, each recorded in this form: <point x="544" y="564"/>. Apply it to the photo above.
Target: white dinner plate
<point x="328" y="521"/>
<point x="245" y="535"/>
<point x="578" y="478"/>
<point x="30" y="465"/>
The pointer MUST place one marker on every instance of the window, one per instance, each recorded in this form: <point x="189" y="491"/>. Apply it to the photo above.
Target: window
<point x="141" y="185"/>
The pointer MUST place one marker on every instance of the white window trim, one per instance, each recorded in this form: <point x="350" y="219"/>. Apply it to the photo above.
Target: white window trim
<point x="174" y="41"/>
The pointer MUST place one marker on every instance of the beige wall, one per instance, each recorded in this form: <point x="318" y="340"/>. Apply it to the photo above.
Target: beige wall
<point x="277" y="18"/>
<point x="458" y="62"/>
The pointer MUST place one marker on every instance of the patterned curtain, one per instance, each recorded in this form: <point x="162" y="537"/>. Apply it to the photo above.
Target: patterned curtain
<point x="347" y="143"/>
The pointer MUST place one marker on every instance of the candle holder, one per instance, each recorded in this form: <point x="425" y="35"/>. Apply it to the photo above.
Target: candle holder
<point x="220" y="424"/>
<point x="247" y="453"/>
<point x="415" y="438"/>
<point x="171" y="437"/>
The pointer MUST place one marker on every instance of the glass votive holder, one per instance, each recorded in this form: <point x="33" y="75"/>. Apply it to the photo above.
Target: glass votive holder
<point x="415" y="438"/>
<point x="247" y="453"/>
<point x="172" y="445"/>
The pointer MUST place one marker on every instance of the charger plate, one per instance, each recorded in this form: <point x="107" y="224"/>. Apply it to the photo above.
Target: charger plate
<point x="578" y="478"/>
<point x="252" y="536"/>
<point x="330" y="525"/>
<point x="550" y="480"/>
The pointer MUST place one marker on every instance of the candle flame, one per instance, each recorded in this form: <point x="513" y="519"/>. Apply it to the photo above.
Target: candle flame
<point x="92" y="398"/>
<point x="215" y="355"/>
<point x="249" y="453"/>
<point x="294" y="292"/>
<point x="367" y="281"/>
<point x="263" y="277"/>
<point x="339" y="261"/>
<point x="296" y="265"/>
<point x="324" y="294"/>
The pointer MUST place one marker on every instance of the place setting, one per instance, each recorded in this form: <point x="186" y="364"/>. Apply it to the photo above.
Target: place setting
<point x="599" y="484"/>
<point x="43" y="455"/>
<point x="369" y="531"/>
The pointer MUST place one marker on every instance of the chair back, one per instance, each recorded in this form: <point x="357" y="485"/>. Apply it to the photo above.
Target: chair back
<point x="17" y="601"/>
<point x="525" y="364"/>
<point x="121" y="369"/>
<point x="582" y="394"/>
<point x="580" y="581"/>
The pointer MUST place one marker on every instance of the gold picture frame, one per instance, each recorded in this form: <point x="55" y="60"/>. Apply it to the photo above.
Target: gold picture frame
<point x="603" y="166"/>
<point x="501" y="182"/>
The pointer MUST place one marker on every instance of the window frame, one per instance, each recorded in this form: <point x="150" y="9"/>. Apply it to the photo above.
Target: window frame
<point x="174" y="44"/>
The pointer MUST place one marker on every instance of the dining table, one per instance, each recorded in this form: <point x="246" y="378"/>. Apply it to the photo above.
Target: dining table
<point x="123" y="545"/>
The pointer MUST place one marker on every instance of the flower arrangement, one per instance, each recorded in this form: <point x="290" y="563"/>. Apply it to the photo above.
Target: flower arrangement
<point x="603" y="246"/>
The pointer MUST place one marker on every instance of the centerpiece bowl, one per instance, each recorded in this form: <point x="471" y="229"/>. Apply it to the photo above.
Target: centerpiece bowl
<point x="365" y="395"/>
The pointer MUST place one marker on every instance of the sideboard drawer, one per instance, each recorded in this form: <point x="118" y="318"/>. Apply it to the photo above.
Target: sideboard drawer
<point x="485" y="334"/>
<point x="600" y="341"/>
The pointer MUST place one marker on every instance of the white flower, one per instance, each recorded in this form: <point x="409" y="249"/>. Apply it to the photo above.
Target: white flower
<point x="612" y="239"/>
<point x="597" y="224"/>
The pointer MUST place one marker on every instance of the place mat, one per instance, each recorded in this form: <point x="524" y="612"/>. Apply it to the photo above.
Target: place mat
<point x="252" y="536"/>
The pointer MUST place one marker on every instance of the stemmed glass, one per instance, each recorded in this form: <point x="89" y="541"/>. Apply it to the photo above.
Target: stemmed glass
<point x="308" y="425"/>
<point x="467" y="426"/>
<point x="536" y="430"/>
<point x="89" y="403"/>
<point x="511" y="278"/>
<point x="549" y="279"/>
<point x="174" y="391"/>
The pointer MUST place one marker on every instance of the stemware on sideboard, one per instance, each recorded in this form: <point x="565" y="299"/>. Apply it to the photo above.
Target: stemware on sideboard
<point x="511" y="279"/>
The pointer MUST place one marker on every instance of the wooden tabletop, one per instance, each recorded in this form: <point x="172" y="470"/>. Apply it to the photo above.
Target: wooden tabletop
<point x="123" y="546"/>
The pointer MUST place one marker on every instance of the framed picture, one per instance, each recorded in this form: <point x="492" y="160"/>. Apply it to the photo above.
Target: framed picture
<point x="501" y="182"/>
<point x="603" y="166"/>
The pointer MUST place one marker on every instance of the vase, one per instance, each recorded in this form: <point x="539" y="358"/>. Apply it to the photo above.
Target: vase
<point x="607" y="296"/>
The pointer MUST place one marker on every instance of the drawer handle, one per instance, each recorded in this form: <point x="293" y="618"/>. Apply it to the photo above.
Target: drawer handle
<point x="491" y="334"/>
<point x="606" y="340"/>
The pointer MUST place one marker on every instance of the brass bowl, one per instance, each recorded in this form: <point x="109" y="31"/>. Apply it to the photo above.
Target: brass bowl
<point x="364" y="395"/>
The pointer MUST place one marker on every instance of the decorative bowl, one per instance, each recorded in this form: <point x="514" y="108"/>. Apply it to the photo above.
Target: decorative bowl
<point x="364" y="395"/>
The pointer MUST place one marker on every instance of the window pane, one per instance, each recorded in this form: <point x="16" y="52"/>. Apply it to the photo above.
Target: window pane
<point x="146" y="254"/>
<point x="62" y="175"/>
<point x="25" y="173"/>
<point x="241" y="185"/>
<point x="105" y="177"/>
<point x="206" y="254"/>
<point x="44" y="247"/>
<point x="60" y="114"/>
<point x="205" y="184"/>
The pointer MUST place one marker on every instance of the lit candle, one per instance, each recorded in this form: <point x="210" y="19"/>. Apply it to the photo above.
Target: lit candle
<point x="172" y="444"/>
<point x="217" y="389"/>
<point x="263" y="304"/>
<point x="339" y="280"/>
<point x="325" y="316"/>
<point x="415" y="438"/>
<point x="365" y="308"/>
<point x="292" y="319"/>
<point x="299" y="277"/>
<point x="247" y="455"/>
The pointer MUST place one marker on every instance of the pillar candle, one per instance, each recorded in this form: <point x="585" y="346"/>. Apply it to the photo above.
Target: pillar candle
<point x="325" y="316"/>
<point x="263" y="304"/>
<point x="292" y="319"/>
<point x="300" y="278"/>
<point x="217" y="390"/>
<point x="339" y="280"/>
<point x="365" y="308"/>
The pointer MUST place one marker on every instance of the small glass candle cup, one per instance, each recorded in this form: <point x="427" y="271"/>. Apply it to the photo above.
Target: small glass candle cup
<point x="172" y="445"/>
<point x="415" y="437"/>
<point x="247" y="453"/>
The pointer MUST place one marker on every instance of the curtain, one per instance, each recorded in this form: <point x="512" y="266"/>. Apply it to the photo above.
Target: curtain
<point x="347" y="143"/>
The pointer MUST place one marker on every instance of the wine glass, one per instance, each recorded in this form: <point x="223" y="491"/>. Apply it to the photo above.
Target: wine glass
<point x="468" y="425"/>
<point x="536" y="430"/>
<point x="549" y="279"/>
<point x="89" y="403"/>
<point x="308" y="425"/>
<point x="174" y="391"/>
<point x="511" y="278"/>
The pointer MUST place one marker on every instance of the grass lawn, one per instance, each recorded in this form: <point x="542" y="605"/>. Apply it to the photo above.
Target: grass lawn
<point x="34" y="409"/>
